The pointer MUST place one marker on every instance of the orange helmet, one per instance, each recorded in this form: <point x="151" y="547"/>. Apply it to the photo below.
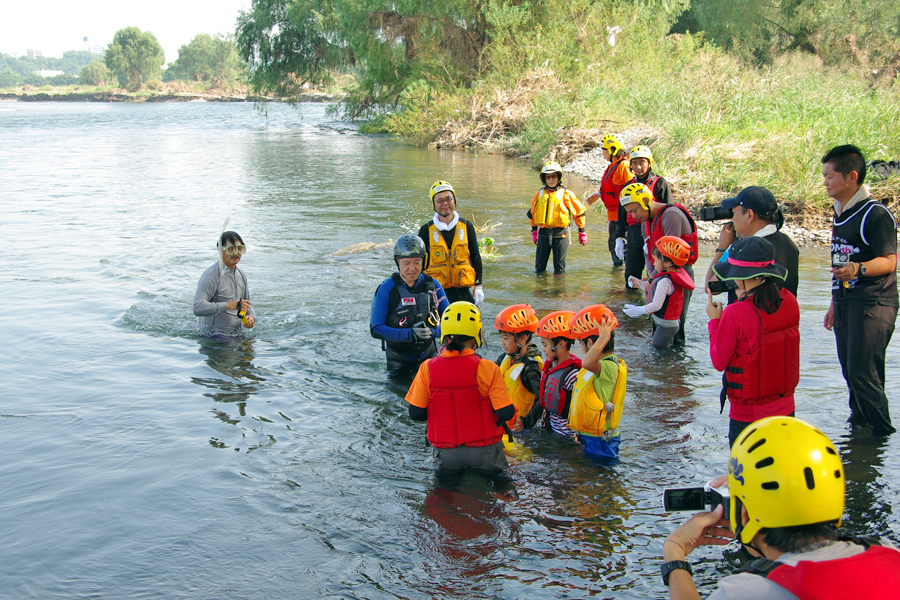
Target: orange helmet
<point x="517" y="318"/>
<point x="556" y="325"/>
<point x="584" y="323"/>
<point x="675" y="249"/>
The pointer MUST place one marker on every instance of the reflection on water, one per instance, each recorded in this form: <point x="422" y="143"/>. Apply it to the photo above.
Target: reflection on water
<point x="114" y="478"/>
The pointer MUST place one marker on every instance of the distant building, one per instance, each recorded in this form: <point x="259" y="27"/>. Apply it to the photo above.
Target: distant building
<point x="33" y="54"/>
<point x="95" y="48"/>
<point x="49" y="72"/>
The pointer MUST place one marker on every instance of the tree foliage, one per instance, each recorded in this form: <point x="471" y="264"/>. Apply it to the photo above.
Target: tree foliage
<point x="95" y="73"/>
<point x="858" y="31"/>
<point x="134" y="56"/>
<point x="209" y="59"/>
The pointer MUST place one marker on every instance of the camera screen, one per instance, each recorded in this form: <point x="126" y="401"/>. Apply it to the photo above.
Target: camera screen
<point x="684" y="499"/>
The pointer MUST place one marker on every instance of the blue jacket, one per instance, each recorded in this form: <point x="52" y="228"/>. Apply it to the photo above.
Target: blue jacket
<point x="387" y="301"/>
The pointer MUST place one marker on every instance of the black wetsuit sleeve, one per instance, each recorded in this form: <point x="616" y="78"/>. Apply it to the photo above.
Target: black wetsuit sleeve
<point x="531" y="378"/>
<point x="423" y="233"/>
<point x="533" y="416"/>
<point x="474" y="252"/>
<point x="662" y="192"/>
<point x="506" y="413"/>
<point x="622" y="223"/>
<point x="417" y="413"/>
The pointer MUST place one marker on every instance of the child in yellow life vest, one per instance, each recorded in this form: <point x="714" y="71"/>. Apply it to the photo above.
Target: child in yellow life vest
<point x="557" y="377"/>
<point x="520" y="362"/>
<point x="599" y="393"/>
<point x="549" y="215"/>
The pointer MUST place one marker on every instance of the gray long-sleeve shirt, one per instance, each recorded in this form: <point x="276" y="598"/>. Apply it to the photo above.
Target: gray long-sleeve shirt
<point x="213" y="291"/>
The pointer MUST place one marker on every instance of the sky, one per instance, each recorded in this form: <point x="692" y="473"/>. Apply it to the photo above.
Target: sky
<point x="54" y="26"/>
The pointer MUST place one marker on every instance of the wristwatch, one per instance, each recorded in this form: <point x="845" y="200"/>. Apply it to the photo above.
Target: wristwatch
<point x="670" y="566"/>
<point x="862" y="270"/>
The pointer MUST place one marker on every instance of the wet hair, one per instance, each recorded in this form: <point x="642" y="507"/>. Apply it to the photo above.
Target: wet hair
<point x="667" y="262"/>
<point x="800" y="537"/>
<point x="766" y="296"/>
<point x="457" y="342"/>
<point x="845" y="159"/>
<point x="230" y="236"/>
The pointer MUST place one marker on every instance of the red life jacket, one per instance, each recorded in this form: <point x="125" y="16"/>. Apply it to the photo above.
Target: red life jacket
<point x="772" y="370"/>
<point x="554" y="397"/>
<point x="650" y="183"/>
<point x="671" y="308"/>
<point x="458" y="415"/>
<point x="609" y="192"/>
<point x="874" y="573"/>
<point x="656" y="231"/>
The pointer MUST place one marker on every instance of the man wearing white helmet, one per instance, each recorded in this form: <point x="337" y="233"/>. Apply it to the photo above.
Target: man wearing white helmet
<point x="786" y="498"/>
<point x="629" y="238"/>
<point x="453" y="257"/>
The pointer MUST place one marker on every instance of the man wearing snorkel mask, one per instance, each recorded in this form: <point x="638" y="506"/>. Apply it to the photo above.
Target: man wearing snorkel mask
<point x="222" y="301"/>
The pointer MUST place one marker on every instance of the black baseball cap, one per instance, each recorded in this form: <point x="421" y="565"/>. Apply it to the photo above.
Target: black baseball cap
<point x="756" y="198"/>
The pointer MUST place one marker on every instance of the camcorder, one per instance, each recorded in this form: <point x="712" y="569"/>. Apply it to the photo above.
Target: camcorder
<point x="696" y="498"/>
<point x="715" y="213"/>
<point x="720" y="287"/>
<point x="839" y="260"/>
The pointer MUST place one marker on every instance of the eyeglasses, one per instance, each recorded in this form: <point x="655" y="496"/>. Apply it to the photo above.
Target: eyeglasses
<point x="443" y="200"/>
<point x="232" y="250"/>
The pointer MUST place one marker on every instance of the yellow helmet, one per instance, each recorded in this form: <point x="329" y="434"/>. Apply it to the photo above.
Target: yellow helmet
<point x="642" y="152"/>
<point x="612" y="143"/>
<point x="461" y="318"/>
<point x="441" y="186"/>
<point x="787" y="473"/>
<point x="636" y="192"/>
<point x="548" y="168"/>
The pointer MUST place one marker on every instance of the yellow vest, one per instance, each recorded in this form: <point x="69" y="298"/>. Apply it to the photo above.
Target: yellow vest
<point x="588" y="412"/>
<point x="450" y="266"/>
<point x="549" y="210"/>
<point x="512" y="374"/>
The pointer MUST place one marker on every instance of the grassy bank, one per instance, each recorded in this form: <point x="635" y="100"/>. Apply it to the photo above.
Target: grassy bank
<point x="718" y="123"/>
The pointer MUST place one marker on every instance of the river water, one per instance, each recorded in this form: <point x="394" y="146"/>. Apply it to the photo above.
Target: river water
<point x="142" y="461"/>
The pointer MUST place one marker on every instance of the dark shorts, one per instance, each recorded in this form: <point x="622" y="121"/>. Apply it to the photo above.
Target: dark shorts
<point x="487" y="458"/>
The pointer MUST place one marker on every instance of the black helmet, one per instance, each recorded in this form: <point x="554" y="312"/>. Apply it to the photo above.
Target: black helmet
<point x="409" y="246"/>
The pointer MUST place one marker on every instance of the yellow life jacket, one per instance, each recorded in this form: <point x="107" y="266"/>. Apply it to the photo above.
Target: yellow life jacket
<point x="549" y="210"/>
<point x="450" y="266"/>
<point x="588" y="412"/>
<point x="512" y="374"/>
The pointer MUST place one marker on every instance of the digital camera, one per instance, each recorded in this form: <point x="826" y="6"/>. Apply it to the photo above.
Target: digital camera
<point x="715" y="213"/>
<point x="696" y="498"/>
<point x="720" y="287"/>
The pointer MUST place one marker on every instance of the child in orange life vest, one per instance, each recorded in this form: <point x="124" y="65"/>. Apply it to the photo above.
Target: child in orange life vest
<point x="520" y="362"/>
<point x="549" y="216"/>
<point x="599" y="393"/>
<point x="558" y="376"/>
<point x="665" y="293"/>
<point x="463" y="397"/>
<point x="616" y="177"/>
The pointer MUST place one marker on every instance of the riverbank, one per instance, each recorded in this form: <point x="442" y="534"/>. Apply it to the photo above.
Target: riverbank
<point x="163" y="92"/>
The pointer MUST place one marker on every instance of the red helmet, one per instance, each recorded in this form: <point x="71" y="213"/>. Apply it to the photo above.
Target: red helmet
<point x="675" y="249"/>
<point x="556" y="325"/>
<point x="585" y="322"/>
<point x="517" y="318"/>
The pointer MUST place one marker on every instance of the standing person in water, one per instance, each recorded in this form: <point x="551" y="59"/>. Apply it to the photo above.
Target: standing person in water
<point x="616" y="177"/>
<point x="665" y="292"/>
<point x="452" y="253"/>
<point x="629" y="238"/>
<point x="463" y="398"/>
<point x="406" y="309"/>
<point x="549" y="214"/>
<point x="863" y="286"/>
<point x="755" y="340"/>
<point x="222" y="300"/>
<point x="520" y="362"/>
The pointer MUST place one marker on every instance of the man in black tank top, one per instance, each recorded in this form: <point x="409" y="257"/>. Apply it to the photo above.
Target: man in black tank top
<point x="864" y="284"/>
